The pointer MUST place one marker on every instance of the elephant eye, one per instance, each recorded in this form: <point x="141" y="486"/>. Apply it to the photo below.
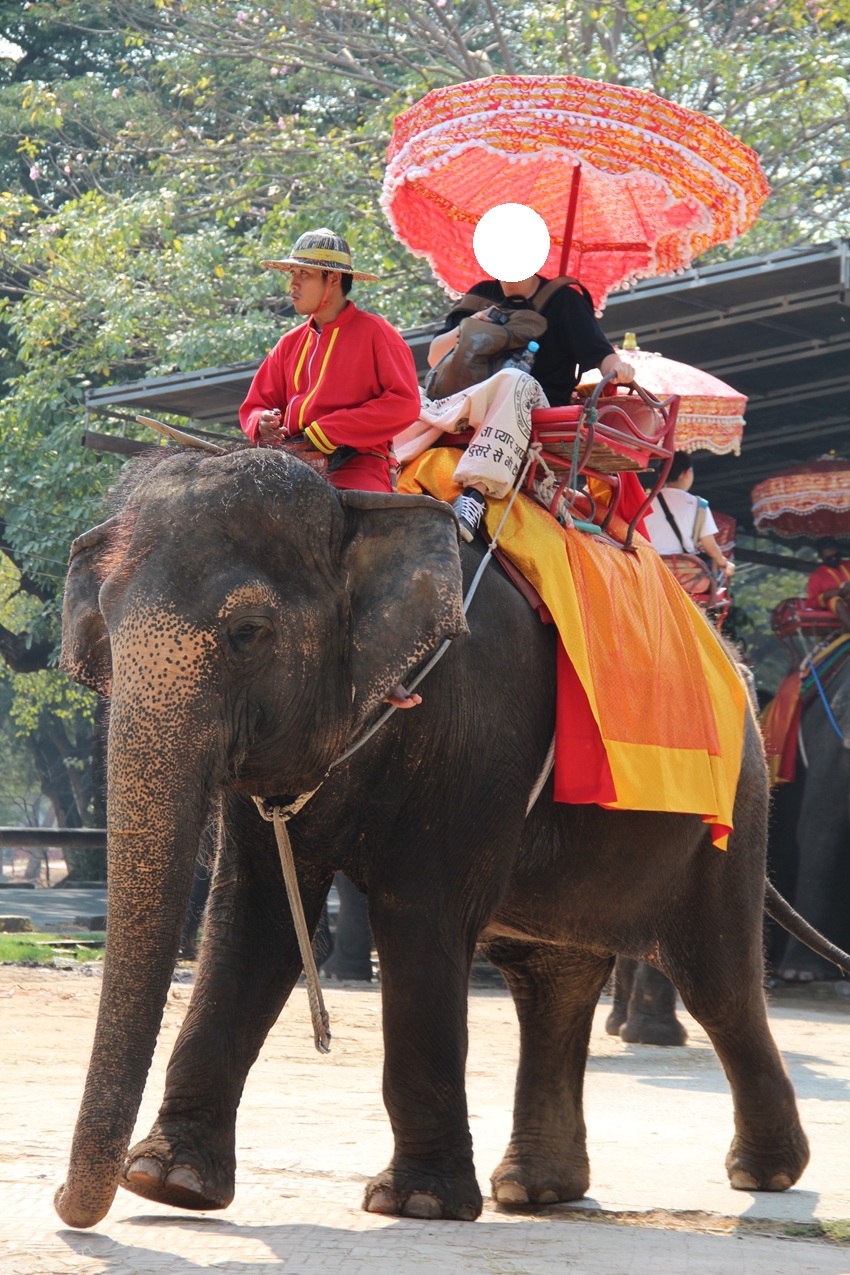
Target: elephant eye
<point x="248" y="630"/>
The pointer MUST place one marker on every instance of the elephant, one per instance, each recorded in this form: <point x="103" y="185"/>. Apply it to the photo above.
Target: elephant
<point x="644" y="999"/>
<point x="644" y="1006"/>
<point x="823" y="829"/>
<point x="247" y="621"/>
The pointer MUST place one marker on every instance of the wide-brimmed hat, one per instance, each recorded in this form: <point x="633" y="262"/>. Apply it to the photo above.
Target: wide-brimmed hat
<point x="321" y="250"/>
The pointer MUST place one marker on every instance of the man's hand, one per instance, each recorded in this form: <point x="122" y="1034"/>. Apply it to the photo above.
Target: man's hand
<point x="624" y="373"/>
<point x="269" y="425"/>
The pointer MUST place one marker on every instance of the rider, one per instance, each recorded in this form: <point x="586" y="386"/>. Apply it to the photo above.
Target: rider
<point x="680" y="522"/>
<point x="572" y="343"/>
<point x="343" y="383"/>
<point x="829" y="584"/>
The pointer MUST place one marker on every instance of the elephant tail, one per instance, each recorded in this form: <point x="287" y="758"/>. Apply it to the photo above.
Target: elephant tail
<point x="782" y="912"/>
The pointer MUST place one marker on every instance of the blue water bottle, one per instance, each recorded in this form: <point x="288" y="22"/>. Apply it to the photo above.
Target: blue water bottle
<point x="523" y="360"/>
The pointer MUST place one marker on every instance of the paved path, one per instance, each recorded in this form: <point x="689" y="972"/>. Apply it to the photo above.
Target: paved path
<point x="52" y="910"/>
<point x="312" y="1130"/>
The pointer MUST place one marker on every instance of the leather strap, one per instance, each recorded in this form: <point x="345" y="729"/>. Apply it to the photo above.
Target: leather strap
<point x="672" y="521"/>
<point x="471" y="301"/>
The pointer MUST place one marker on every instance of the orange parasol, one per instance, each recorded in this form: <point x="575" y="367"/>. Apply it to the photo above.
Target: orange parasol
<point x="629" y="184"/>
<point x="810" y="500"/>
<point x="711" y="413"/>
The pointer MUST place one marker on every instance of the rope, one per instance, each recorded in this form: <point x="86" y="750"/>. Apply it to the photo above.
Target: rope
<point x="278" y="816"/>
<point x="548" y="763"/>
<point x="839" y="732"/>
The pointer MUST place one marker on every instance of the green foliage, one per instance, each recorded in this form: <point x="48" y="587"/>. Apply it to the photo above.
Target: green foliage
<point x="757" y="590"/>
<point x="153" y="152"/>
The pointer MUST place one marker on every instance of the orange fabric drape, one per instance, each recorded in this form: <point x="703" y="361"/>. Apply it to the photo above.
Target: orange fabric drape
<point x="650" y="712"/>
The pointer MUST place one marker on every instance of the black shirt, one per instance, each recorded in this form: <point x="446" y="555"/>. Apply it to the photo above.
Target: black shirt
<point x="572" y="343"/>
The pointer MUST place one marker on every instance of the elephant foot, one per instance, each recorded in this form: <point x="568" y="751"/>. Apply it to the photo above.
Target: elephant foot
<point x="648" y="1029"/>
<point x="776" y="1169"/>
<point x="614" y="1021"/>
<point x="814" y="972"/>
<point x="173" y="1170"/>
<point x="413" y="1192"/>
<point x="520" y="1183"/>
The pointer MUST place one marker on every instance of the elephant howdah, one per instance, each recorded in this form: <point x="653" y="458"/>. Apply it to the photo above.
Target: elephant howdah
<point x="247" y="621"/>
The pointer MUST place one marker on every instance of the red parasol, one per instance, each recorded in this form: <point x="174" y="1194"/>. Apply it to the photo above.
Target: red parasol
<point x="810" y="500"/>
<point x="629" y="184"/>
<point x="710" y="412"/>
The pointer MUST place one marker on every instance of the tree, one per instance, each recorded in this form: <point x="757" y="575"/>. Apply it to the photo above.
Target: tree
<point x="153" y="152"/>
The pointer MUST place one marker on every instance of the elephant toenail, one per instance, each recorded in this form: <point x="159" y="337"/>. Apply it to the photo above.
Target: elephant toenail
<point x="548" y="1197"/>
<point x="780" y="1182"/>
<point x="740" y="1180"/>
<point x="145" y="1167"/>
<point x="181" y="1175"/>
<point x="421" y="1204"/>
<point x="381" y="1201"/>
<point x="467" y="1213"/>
<point x="510" y="1193"/>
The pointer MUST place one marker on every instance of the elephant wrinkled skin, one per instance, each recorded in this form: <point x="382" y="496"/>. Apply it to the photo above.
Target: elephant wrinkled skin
<point x="249" y="620"/>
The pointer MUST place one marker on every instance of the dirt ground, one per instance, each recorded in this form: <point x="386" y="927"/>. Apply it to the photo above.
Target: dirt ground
<point x="312" y="1130"/>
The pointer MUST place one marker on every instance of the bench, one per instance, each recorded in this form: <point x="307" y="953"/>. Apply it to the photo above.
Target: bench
<point x="618" y="429"/>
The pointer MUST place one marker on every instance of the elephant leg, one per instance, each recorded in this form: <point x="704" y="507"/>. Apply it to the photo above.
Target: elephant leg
<point x="555" y="991"/>
<point x="624" y="977"/>
<point x="651" y="1014"/>
<point x="249" y="964"/>
<point x="769" y="1150"/>
<point x="823" y="835"/>
<point x="351" y="956"/>
<point x="424" y="996"/>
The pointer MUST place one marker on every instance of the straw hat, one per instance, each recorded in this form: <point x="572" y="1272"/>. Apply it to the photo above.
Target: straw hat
<point x="321" y="250"/>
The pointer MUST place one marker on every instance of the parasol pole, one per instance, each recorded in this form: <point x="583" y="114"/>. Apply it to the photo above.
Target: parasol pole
<point x="571" y="217"/>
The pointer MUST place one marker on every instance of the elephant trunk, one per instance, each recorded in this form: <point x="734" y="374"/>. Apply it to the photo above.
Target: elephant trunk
<point x="157" y="809"/>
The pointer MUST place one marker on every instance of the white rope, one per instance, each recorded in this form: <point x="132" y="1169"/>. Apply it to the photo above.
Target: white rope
<point x="548" y="763"/>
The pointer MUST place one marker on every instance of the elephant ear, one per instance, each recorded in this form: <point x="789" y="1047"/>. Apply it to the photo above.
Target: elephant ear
<point x="405" y="588"/>
<point x="86" y="652"/>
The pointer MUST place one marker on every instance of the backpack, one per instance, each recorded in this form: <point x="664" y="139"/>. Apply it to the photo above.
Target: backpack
<point x="483" y="345"/>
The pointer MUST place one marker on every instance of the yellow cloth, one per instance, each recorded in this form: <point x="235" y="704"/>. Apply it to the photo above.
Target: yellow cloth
<point x="668" y="705"/>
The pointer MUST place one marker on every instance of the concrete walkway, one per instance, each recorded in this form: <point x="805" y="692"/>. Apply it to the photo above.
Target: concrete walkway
<point x="55" y="909"/>
<point x="312" y="1130"/>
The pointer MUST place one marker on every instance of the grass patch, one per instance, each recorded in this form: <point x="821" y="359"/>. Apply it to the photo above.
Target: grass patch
<point x="837" y="1232"/>
<point x="35" y="949"/>
<point x="829" y="1232"/>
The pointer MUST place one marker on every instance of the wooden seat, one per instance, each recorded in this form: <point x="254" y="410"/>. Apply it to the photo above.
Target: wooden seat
<point x="800" y="627"/>
<point x="703" y="587"/>
<point x="617" y="429"/>
<point x="794" y="617"/>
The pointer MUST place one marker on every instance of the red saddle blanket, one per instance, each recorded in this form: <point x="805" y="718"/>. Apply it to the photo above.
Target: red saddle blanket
<point x="780" y="720"/>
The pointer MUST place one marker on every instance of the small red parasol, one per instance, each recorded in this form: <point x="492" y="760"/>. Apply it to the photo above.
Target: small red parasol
<point x="711" y="413"/>
<point x="629" y="184"/>
<point x="809" y="500"/>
